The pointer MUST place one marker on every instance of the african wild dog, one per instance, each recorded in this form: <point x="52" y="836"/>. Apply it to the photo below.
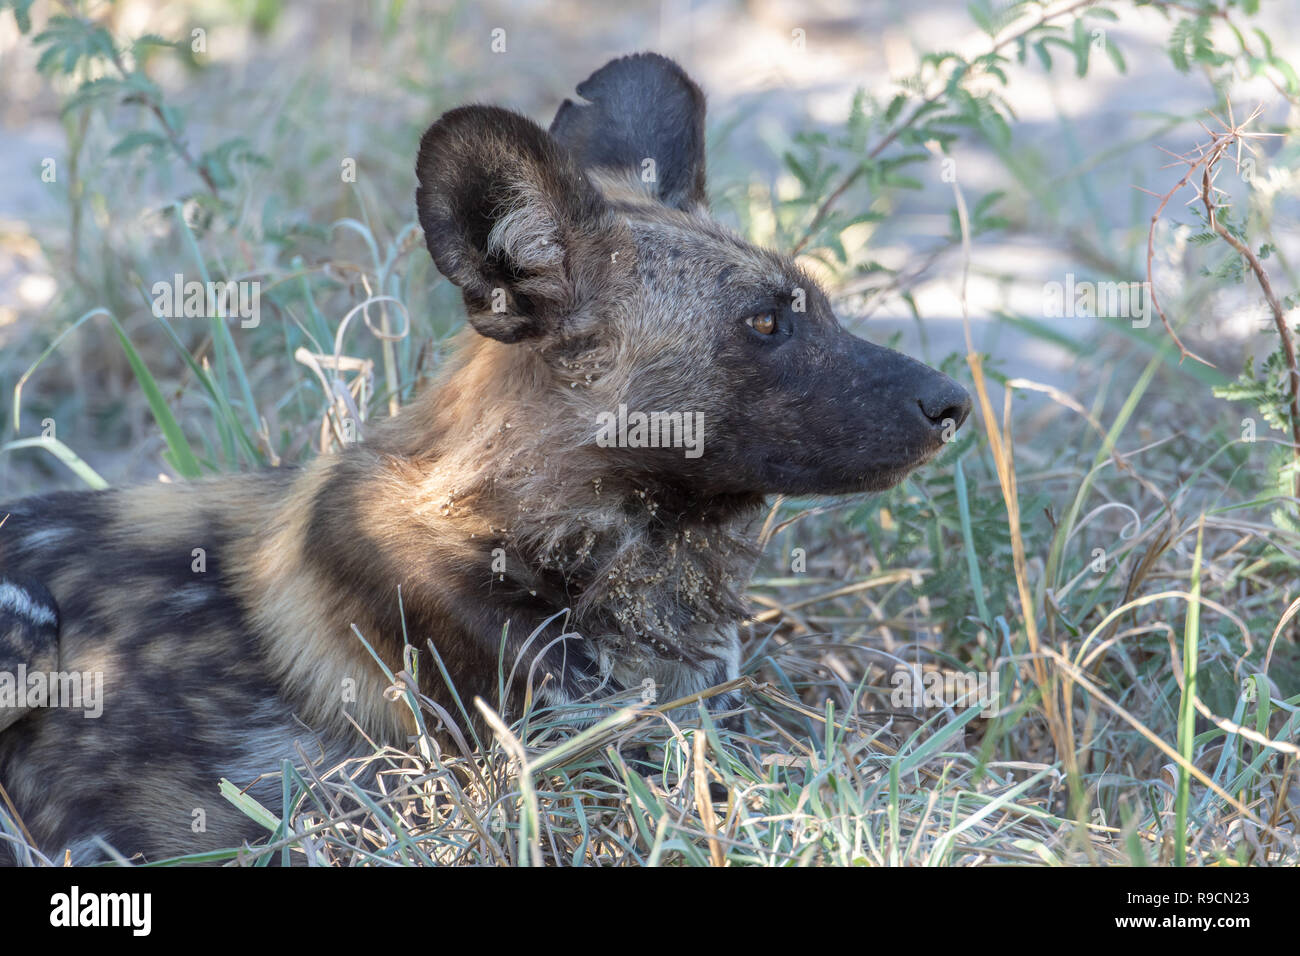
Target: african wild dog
<point x="589" y="285"/>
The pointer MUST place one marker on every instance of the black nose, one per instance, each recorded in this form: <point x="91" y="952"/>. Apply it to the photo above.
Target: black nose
<point x="944" y="402"/>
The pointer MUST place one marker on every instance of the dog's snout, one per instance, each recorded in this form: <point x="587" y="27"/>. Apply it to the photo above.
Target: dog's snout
<point x="945" y="401"/>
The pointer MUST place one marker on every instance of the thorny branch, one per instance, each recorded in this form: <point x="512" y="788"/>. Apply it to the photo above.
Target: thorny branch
<point x="1204" y="160"/>
<point x="1275" y="306"/>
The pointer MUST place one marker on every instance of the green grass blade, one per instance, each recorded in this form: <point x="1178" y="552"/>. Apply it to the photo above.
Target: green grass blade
<point x="64" y="454"/>
<point x="181" y="456"/>
<point x="1186" y="710"/>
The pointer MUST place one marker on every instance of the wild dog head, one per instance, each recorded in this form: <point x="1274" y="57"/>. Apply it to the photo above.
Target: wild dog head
<point x="591" y="245"/>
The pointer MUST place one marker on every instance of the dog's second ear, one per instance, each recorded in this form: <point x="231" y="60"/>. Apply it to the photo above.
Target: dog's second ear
<point x="643" y="115"/>
<point x="510" y="218"/>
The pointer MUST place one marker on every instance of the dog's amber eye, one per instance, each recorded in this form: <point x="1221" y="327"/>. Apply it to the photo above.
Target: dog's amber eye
<point x="765" y="323"/>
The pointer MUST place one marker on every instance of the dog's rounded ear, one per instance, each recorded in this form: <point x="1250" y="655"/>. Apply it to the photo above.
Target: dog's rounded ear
<point x="510" y="218"/>
<point x="645" y="117"/>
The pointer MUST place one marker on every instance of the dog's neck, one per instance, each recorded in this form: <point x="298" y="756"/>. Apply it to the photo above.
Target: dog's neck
<point x="483" y="515"/>
<point x="524" y="488"/>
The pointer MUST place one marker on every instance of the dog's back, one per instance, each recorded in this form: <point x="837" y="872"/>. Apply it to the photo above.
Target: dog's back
<point x="144" y="684"/>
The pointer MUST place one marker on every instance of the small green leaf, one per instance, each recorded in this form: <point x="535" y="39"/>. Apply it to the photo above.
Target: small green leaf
<point x="22" y="14"/>
<point x="140" y="139"/>
<point x="1082" y="47"/>
<point x="1044" y="57"/>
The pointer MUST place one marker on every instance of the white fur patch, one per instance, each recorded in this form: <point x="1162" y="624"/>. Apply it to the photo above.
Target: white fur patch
<point x="190" y="596"/>
<point x="17" y="601"/>
<point x="45" y="537"/>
